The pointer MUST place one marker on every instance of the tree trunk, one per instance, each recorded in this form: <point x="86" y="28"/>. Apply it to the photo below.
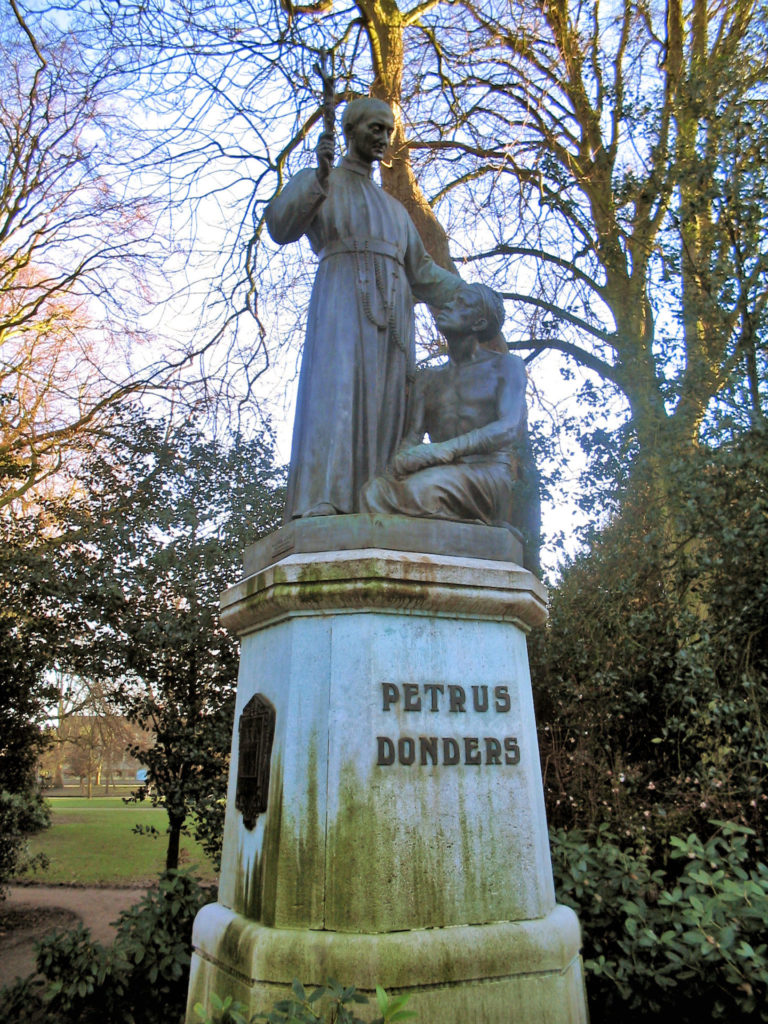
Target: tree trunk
<point x="384" y="26"/>
<point x="174" y="838"/>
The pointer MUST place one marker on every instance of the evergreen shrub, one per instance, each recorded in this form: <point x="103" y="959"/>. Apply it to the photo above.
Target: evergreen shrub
<point x="141" y="979"/>
<point x="688" y="938"/>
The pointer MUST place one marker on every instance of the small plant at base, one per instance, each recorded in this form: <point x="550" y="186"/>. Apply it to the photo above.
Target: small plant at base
<point x="226" y="1011"/>
<point x="392" y="1009"/>
<point x="303" y="1008"/>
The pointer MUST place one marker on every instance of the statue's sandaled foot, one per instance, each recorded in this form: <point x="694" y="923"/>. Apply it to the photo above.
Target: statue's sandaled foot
<point x="322" y="508"/>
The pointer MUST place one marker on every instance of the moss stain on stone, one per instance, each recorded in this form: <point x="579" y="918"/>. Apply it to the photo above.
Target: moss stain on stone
<point x="380" y="880"/>
<point x="292" y="886"/>
<point x="250" y="879"/>
<point x="260" y="905"/>
<point x="241" y="873"/>
<point x="469" y="863"/>
<point x="310" y="862"/>
<point x="386" y="874"/>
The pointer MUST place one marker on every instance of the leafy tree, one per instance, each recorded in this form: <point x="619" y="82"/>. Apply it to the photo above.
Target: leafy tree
<point x="94" y="742"/>
<point x="639" y="156"/>
<point x="96" y="272"/>
<point x="74" y="251"/>
<point x="652" y="678"/>
<point x="165" y="514"/>
<point x="23" y="694"/>
<point x="84" y="733"/>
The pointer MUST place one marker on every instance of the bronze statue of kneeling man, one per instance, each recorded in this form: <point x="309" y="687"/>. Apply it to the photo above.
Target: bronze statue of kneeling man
<point x="473" y="409"/>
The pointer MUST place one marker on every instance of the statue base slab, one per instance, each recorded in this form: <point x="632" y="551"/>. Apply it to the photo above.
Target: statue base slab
<point x="392" y="831"/>
<point x="387" y="533"/>
<point x="526" y="971"/>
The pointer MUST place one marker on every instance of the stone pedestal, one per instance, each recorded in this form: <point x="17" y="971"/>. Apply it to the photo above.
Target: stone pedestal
<point x="395" y="830"/>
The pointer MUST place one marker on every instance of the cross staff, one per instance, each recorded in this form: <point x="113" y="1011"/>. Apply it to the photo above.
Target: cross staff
<point x="329" y="90"/>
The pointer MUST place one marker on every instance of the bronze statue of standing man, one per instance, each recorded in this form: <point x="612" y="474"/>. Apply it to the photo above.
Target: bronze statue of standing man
<point x="359" y="347"/>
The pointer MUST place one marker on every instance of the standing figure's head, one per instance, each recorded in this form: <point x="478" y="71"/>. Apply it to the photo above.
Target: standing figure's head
<point x="475" y="310"/>
<point x="367" y="124"/>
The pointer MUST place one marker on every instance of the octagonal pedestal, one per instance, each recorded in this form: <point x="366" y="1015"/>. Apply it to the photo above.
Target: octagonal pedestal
<point x="386" y="822"/>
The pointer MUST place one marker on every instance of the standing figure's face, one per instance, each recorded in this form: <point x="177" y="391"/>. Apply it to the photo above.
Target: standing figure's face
<point x="462" y="315"/>
<point x="369" y="138"/>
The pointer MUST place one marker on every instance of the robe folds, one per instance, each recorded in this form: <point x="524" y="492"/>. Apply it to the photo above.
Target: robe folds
<point x="359" y="345"/>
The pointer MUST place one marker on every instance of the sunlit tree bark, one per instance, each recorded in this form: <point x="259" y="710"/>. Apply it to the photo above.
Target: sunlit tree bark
<point x="638" y="137"/>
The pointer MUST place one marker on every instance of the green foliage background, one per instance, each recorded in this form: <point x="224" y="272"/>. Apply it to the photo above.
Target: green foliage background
<point x="141" y="979"/>
<point x="26" y="633"/>
<point x="651" y="681"/>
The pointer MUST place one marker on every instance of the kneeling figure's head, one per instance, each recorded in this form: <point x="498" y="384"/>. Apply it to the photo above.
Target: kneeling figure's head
<point x="475" y="309"/>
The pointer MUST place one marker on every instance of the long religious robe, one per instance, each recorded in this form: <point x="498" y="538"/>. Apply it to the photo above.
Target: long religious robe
<point x="359" y="347"/>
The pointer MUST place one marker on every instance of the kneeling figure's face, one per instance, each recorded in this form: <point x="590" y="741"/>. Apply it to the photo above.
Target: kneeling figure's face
<point x="462" y="315"/>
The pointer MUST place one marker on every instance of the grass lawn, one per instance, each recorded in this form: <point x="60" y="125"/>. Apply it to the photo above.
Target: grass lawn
<point x="90" y="842"/>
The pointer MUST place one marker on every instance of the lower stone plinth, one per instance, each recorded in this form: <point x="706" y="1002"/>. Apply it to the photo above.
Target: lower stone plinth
<point x="508" y="971"/>
<point x="385" y="815"/>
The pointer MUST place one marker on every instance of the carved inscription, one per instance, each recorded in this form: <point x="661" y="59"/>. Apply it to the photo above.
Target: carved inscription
<point x="256" y="733"/>
<point x="450" y="699"/>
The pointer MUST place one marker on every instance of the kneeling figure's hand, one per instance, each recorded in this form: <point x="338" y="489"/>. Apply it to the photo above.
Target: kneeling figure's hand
<point x="421" y="456"/>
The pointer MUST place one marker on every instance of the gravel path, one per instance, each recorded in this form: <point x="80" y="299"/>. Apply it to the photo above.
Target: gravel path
<point x="32" y="911"/>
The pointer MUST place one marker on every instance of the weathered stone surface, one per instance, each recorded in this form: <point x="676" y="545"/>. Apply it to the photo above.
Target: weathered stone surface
<point x="387" y="533"/>
<point x="404" y="840"/>
<point x="465" y="953"/>
<point x="402" y="582"/>
<point x="349" y="844"/>
<point x="526" y="971"/>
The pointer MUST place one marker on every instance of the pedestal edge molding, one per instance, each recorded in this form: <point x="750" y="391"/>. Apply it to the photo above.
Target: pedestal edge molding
<point x="374" y="580"/>
<point x="400" y="960"/>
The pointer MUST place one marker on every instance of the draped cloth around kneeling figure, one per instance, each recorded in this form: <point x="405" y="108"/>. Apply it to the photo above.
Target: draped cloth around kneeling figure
<point x="474" y="488"/>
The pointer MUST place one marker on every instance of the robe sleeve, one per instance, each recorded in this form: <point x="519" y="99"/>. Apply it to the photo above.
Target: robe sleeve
<point x="294" y="208"/>
<point x="429" y="282"/>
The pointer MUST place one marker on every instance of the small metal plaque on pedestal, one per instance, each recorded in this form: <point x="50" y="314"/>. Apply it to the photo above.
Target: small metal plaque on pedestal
<point x="256" y="732"/>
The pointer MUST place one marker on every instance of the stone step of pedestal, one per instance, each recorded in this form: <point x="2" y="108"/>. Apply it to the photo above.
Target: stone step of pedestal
<point x="526" y="971"/>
